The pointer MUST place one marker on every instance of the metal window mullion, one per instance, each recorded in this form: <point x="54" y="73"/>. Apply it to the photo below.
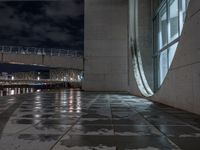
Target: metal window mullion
<point x="157" y="72"/>
<point x="170" y="44"/>
<point x="159" y="47"/>
<point x="155" y="49"/>
<point x="169" y="30"/>
<point x="159" y="8"/>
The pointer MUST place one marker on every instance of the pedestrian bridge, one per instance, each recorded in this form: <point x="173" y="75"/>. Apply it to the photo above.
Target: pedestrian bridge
<point x="48" y="57"/>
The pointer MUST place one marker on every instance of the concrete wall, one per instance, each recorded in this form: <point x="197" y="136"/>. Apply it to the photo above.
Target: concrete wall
<point x="106" y="45"/>
<point x="106" y="56"/>
<point x="49" y="61"/>
<point x="182" y="84"/>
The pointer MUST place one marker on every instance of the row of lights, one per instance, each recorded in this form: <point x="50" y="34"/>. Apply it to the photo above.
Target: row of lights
<point x="63" y="79"/>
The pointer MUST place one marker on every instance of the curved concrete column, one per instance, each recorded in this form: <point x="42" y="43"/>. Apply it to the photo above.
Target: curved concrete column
<point x="140" y="37"/>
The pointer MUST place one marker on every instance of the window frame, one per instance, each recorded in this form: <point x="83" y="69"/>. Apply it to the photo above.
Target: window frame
<point x="157" y="49"/>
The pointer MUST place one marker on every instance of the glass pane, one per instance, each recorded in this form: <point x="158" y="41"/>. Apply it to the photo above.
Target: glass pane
<point x="182" y="13"/>
<point x="187" y="3"/>
<point x="172" y="51"/>
<point x="163" y="27"/>
<point x="173" y="19"/>
<point x="163" y="66"/>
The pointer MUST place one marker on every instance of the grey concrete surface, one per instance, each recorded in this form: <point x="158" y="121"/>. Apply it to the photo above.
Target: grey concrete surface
<point x="75" y="120"/>
<point x="44" y="60"/>
<point x="109" y="67"/>
<point x="105" y="51"/>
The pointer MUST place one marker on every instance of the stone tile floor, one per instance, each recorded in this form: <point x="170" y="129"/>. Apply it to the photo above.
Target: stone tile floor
<point x="75" y="120"/>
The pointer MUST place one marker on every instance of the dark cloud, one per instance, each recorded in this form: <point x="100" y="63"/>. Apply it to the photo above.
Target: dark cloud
<point x="57" y="24"/>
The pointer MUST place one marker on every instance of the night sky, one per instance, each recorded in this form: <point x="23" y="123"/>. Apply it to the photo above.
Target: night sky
<point x="41" y="23"/>
<point x="52" y="24"/>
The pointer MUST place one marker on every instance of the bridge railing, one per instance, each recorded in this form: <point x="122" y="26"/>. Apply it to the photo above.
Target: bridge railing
<point x="40" y="51"/>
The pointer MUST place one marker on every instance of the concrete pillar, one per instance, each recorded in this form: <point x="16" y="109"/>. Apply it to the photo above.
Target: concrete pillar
<point x="106" y="45"/>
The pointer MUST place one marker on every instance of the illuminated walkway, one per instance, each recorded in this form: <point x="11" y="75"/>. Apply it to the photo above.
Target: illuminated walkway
<point x="73" y="120"/>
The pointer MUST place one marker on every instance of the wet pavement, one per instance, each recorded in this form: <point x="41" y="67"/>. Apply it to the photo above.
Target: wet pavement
<point x="75" y="120"/>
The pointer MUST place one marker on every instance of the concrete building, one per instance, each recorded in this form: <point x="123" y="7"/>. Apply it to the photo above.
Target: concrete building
<point x="146" y="47"/>
<point x="141" y="57"/>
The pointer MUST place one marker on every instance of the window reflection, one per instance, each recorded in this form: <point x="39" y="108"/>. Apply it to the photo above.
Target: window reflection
<point x="173" y="19"/>
<point x="172" y="51"/>
<point x="163" y="66"/>
<point x="183" y="5"/>
<point x="163" y="27"/>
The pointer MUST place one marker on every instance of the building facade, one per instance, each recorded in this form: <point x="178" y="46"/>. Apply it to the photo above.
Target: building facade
<point x="146" y="47"/>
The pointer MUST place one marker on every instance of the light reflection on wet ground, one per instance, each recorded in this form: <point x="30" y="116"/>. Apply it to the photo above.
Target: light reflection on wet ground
<point x="16" y="91"/>
<point x="73" y="120"/>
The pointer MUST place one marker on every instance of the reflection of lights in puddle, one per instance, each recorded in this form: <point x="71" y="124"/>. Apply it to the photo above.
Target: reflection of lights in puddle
<point x="71" y="109"/>
<point x="32" y="89"/>
<point x="71" y="105"/>
<point x="11" y="100"/>
<point x="78" y="111"/>
<point x="36" y="121"/>
<point x="78" y="108"/>
<point x="78" y="94"/>
<point x="38" y="105"/>
<point x="38" y="90"/>
<point x="71" y="95"/>
<point x="12" y="92"/>
<point x="37" y="115"/>
<point x="63" y="111"/>
<point x="63" y="96"/>
<point x="37" y="108"/>
<point x="37" y="97"/>
<point x="63" y="116"/>
<point x="37" y="102"/>
<point x="57" y="96"/>
<point x="63" y="103"/>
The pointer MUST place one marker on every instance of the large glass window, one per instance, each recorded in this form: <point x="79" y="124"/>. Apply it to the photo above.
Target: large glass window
<point x="163" y="66"/>
<point x="182" y="12"/>
<point x="163" y="27"/>
<point x="168" y="24"/>
<point x="172" y="50"/>
<point x="173" y="20"/>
